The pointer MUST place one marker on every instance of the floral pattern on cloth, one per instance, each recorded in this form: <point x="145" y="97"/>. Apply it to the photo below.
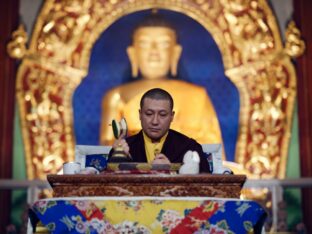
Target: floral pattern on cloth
<point x="149" y="216"/>
<point x="131" y="227"/>
<point x="168" y="219"/>
<point x="134" y="205"/>
<point x="72" y="217"/>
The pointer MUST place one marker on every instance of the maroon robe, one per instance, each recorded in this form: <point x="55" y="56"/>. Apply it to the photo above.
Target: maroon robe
<point x="174" y="148"/>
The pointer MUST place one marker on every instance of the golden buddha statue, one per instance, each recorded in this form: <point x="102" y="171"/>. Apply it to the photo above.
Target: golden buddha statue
<point x="153" y="53"/>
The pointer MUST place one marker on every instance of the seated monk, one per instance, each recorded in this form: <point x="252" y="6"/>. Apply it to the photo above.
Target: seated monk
<point x="156" y="143"/>
<point x="153" y="53"/>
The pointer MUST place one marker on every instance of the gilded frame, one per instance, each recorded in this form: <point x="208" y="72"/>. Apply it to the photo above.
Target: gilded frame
<point x="253" y="56"/>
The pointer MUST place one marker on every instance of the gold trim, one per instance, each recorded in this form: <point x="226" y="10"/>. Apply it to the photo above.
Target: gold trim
<point x="294" y="45"/>
<point x="245" y="32"/>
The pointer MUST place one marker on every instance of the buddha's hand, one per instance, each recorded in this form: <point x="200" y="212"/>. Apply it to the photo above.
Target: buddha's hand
<point x="160" y="159"/>
<point x="121" y="144"/>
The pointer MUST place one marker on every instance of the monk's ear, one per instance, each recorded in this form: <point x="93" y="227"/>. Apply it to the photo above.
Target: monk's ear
<point x="140" y="112"/>
<point x="133" y="61"/>
<point x="172" y="115"/>
<point x="176" y="54"/>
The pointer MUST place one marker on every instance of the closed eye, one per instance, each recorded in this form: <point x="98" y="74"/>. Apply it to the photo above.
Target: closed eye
<point x="149" y="114"/>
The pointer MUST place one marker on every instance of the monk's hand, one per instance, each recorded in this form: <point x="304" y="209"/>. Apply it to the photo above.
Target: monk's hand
<point x="160" y="159"/>
<point x="121" y="144"/>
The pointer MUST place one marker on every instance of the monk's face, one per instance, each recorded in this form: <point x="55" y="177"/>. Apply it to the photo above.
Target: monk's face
<point x="156" y="117"/>
<point x="154" y="47"/>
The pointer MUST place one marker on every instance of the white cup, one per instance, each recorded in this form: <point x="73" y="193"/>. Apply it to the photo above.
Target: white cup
<point x="70" y="168"/>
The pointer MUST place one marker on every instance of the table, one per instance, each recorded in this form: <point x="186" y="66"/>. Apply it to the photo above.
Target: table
<point x="148" y="215"/>
<point x="202" y="185"/>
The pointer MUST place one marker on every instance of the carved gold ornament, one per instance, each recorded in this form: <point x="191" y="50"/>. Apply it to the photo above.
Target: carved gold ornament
<point x="16" y="48"/>
<point x="294" y="45"/>
<point x="253" y="56"/>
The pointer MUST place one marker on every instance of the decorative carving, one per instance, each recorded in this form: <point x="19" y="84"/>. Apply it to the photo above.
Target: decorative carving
<point x="228" y="186"/>
<point x="294" y="45"/>
<point x="245" y="32"/>
<point x="148" y="190"/>
<point x="16" y="48"/>
<point x="270" y="90"/>
<point x="62" y="31"/>
<point x="249" y="28"/>
<point x="45" y="119"/>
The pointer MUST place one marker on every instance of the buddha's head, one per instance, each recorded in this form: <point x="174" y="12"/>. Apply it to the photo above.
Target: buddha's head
<point x="154" y="50"/>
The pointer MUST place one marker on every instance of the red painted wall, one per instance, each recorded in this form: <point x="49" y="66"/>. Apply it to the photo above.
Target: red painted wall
<point x="8" y="23"/>
<point x="303" y="17"/>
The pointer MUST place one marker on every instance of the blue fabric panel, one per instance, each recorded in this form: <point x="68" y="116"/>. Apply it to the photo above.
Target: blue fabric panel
<point x="98" y="161"/>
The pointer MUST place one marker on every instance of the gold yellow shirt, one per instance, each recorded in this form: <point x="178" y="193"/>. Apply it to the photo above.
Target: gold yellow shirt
<point x="151" y="148"/>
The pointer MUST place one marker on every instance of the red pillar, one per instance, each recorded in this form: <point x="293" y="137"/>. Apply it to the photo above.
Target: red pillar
<point x="8" y="23"/>
<point x="303" y="17"/>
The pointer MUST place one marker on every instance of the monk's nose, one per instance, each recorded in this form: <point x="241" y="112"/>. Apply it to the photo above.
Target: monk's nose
<point x="155" y="119"/>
